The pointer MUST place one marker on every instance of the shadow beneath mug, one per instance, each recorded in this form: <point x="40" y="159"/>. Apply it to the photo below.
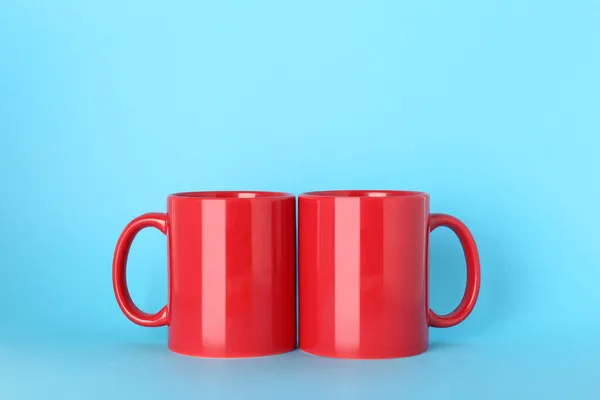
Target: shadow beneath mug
<point x="436" y="346"/>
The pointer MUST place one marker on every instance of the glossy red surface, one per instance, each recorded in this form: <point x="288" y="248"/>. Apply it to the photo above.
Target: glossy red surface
<point x="232" y="273"/>
<point x="363" y="269"/>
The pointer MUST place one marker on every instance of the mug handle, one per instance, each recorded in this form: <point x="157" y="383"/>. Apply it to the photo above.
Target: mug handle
<point x="473" y="272"/>
<point x="119" y="272"/>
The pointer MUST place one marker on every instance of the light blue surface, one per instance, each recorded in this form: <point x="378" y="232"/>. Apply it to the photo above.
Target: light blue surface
<point x="491" y="107"/>
<point x="134" y="370"/>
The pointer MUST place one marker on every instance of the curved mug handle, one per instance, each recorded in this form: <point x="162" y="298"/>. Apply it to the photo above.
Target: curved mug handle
<point x="119" y="271"/>
<point x="473" y="272"/>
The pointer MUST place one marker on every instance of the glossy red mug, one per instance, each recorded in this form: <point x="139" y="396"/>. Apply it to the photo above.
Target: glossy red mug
<point x="363" y="269"/>
<point x="232" y="273"/>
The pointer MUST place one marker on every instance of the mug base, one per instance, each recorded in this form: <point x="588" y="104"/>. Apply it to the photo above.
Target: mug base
<point x="236" y="357"/>
<point x="365" y="356"/>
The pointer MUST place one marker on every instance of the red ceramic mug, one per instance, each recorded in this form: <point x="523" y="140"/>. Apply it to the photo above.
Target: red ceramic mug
<point x="363" y="267"/>
<point x="232" y="273"/>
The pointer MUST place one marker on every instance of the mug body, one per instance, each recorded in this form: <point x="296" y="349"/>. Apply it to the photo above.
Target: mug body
<point x="232" y="275"/>
<point x="363" y="260"/>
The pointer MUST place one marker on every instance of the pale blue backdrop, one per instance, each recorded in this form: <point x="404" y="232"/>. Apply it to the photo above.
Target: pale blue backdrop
<point x="492" y="107"/>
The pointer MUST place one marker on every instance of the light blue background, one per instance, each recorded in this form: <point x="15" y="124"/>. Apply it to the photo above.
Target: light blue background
<point x="492" y="107"/>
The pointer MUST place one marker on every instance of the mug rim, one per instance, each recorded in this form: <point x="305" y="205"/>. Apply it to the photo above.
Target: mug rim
<point x="230" y="195"/>
<point x="363" y="193"/>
